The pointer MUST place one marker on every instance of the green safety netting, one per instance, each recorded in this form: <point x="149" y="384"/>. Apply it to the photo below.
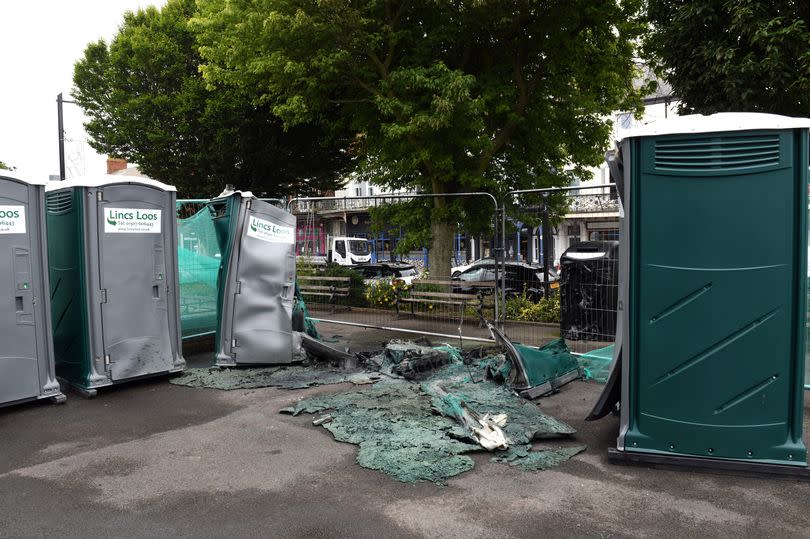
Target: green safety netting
<point x="198" y="259"/>
<point x="596" y="364"/>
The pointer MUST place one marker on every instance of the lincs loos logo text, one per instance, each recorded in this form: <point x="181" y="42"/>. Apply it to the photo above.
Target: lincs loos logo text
<point x="114" y="216"/>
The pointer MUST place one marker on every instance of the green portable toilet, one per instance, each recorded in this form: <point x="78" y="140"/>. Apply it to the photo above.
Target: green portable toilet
<point x="710" y="339"/>
<point x="112" y="249"/>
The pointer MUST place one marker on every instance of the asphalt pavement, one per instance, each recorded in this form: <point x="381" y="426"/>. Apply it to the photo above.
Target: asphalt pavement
<point x="150" y="459"/>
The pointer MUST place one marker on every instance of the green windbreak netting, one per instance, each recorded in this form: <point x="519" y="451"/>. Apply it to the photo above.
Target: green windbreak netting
<point x="198" y="260"/>
<point x="596" y="364"/>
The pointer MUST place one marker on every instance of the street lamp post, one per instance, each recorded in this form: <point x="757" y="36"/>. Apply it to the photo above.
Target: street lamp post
<point x="61" y="125"/>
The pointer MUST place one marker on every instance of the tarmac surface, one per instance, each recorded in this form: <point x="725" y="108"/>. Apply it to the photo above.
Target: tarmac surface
<point x="149" y="459"/>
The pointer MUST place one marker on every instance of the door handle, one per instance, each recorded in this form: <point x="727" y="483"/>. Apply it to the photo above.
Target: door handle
<point x="156" y="291"/>
<point x="19" y="304"/>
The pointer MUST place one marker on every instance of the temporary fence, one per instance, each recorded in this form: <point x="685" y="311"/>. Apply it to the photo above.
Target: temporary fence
<point x="394" y="291"/>
<point x="579" y="306"/>
<point x="573" y="294"/>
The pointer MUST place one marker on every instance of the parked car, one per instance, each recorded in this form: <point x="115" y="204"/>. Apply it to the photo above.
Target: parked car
<point x="387" y="271"/>
<point x="456" y="270"/>
<point x="520" y="278"/>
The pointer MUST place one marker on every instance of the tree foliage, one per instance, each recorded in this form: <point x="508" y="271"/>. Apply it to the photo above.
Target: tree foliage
<point x="148" y="103"/>
<point x="441" y="97"/>
<point x="733" y="55"/>
<point x="4" y="166"/>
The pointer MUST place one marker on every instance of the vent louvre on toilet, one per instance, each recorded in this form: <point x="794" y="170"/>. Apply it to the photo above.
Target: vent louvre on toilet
<point x="59" y="202"/>
<point x="720" y="153"/>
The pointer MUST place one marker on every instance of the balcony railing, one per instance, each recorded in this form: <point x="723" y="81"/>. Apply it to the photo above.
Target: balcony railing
<point x="598" y="203"/>
<point x="577" y="205"/>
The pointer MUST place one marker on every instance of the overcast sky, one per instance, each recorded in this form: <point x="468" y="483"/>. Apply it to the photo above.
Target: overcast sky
<point x="40" y="40"/>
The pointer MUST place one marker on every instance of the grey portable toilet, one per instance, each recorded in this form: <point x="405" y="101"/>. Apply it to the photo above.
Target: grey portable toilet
<point x="26" y="354"/>
<point x="112" y="246"/>
<point x="256" y="280"/>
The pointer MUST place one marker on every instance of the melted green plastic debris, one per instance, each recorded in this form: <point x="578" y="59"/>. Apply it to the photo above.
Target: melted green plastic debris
<point x="400" y="430"/>
<point x="396" y="431"/>
<point x="540" y="459"/>
<point x="546" y="364"/>
<point x="288" y="377"/>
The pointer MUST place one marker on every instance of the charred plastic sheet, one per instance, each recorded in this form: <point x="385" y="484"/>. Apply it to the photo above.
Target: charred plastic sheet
<point x="289" y="377"/>
<point x="407" y="430"/>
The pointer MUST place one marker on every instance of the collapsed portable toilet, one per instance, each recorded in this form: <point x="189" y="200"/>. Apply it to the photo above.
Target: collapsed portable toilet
<point x="112" y="247"/>
<point x="26" y="354"/>
<point x="712" y="286"/>
<point x="256" y="280"/>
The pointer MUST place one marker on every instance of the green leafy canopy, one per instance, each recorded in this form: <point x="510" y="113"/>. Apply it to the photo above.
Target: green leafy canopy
<point x="733" y="55"/>
<point x="442" y="97"/>
<point x="149" y="104"/>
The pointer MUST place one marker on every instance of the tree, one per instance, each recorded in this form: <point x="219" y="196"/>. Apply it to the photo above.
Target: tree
<point x="733" y="55"/>
<point x="4" y="166"/>
<point x="148" y="103"/>
<point x="441" y="97"/>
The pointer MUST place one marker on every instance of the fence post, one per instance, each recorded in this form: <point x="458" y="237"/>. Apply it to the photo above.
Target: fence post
<point x="547" y="239"/>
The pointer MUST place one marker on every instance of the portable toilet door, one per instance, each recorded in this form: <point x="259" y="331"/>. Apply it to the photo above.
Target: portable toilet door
<point x="26" y="355"/>
<point x="256" y="281"/>
<point x="126" y="279"/>
<point x="713" y="279"/>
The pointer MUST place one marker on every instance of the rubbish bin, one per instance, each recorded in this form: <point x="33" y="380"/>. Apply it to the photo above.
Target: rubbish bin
<point x="26" y="357"/>
<point x="712" y="291"/>
<point x="589" y="287"/>
<point x="112" y="246"/>
<point x="256" y="280"/>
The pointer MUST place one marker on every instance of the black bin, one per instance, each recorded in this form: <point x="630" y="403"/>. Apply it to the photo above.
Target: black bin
<point x="589" y="287"/>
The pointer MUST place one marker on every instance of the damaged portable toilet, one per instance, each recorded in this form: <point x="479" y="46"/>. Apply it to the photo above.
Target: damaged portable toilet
<point x="710" y="340"/>
<point x="112" y="246"/>
<point x="26" y="355"/>
<point x="256" y="280"/>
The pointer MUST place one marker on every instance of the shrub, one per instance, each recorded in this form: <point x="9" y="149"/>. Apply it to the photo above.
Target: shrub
<point x="524" y="309"/>
<point x="383" y="293"/>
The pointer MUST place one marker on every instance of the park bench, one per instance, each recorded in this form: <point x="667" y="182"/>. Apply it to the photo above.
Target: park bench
<point x="325" y="287"/>
<point x="417" y="293"/>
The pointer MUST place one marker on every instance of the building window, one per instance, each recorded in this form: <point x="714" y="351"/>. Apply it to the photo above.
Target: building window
<point x="610" y="234"/>
<point x="370" y="191"/>
<point x="573" y="234"/>
<point x="358" y="191"/>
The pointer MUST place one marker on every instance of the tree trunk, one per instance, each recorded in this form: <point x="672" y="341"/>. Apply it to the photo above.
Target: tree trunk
<point x="441" y="249"/>
<point x="441" y="236"/>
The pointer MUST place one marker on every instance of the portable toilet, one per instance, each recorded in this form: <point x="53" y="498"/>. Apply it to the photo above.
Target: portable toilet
<point x="710" y="339"/>
<point x="256" y="280"/>
<point x="26" y="355"/>
<point x="112" y="246"/>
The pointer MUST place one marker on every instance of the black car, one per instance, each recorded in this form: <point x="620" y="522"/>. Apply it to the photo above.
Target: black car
<point x="520" y="278"/>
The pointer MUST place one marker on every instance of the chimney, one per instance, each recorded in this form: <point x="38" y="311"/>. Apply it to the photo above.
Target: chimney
<point x="114" y="165"/>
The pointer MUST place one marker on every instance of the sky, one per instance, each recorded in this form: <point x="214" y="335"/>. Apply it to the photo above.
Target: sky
<point x="40" y="41"/>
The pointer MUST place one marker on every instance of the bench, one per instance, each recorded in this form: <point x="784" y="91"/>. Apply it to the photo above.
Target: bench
<point x="462" y="300"/>
<point x="325" y="287"/>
